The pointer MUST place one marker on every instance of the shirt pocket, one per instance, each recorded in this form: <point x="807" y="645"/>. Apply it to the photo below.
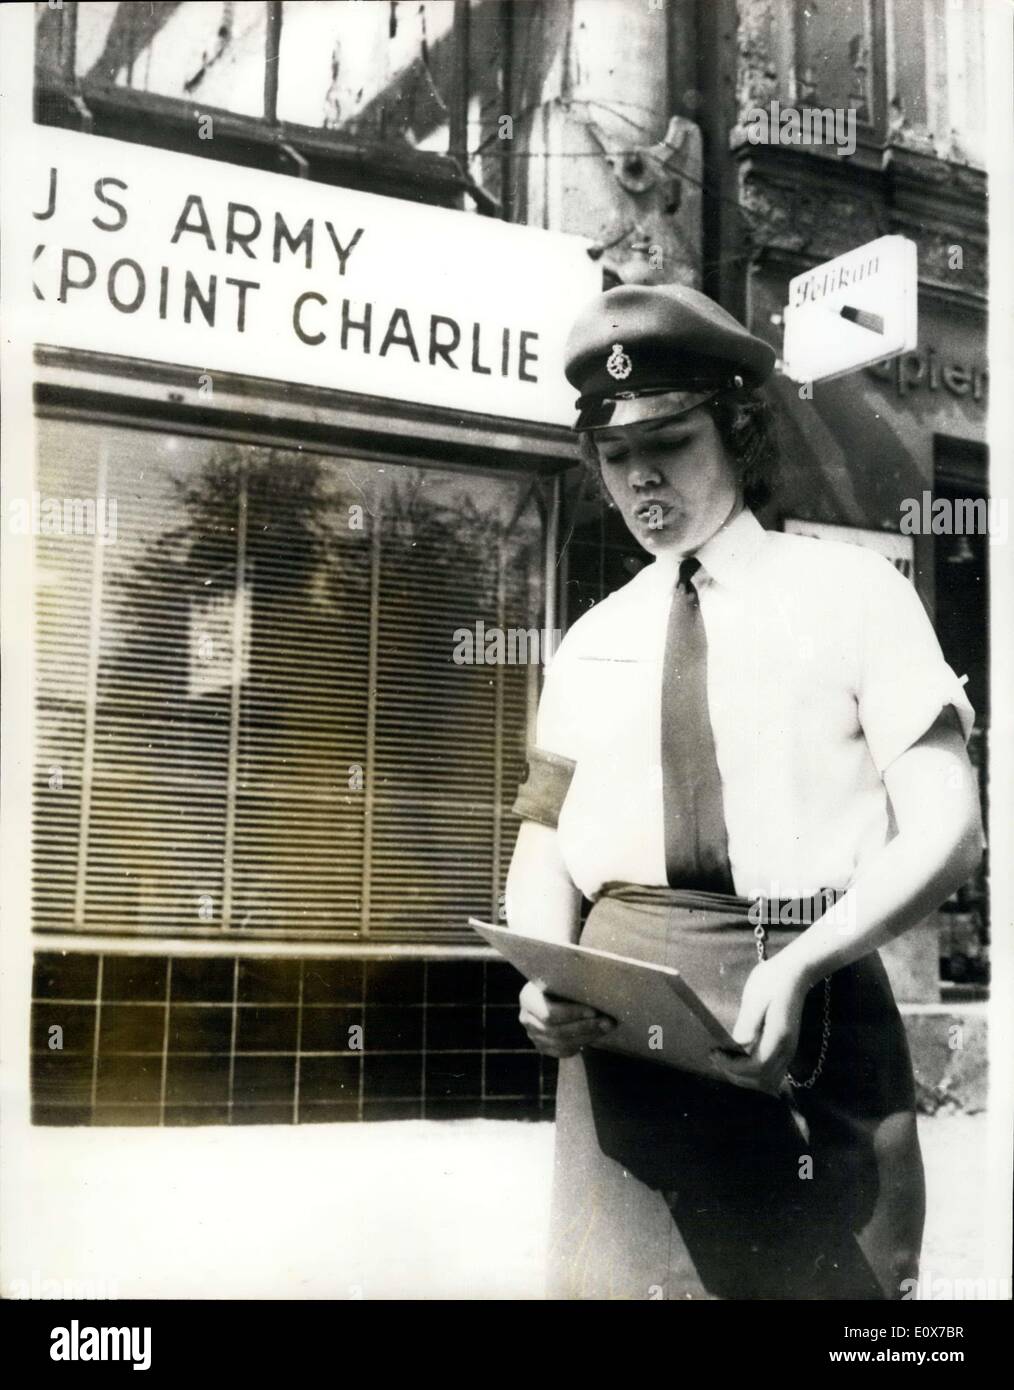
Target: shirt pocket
<point x="617" y="696"/>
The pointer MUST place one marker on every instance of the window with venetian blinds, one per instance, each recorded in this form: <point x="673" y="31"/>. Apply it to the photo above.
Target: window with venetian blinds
<point x="248" y="715"/>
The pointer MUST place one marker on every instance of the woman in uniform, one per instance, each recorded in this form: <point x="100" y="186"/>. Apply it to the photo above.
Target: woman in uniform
<point x="751" y="760"/>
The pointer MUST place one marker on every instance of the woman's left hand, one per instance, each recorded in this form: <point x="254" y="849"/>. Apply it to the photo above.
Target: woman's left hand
<point x="770" y="1014"/>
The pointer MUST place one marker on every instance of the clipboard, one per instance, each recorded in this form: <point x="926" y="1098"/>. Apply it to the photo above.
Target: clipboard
<point x="659" y="1017"/>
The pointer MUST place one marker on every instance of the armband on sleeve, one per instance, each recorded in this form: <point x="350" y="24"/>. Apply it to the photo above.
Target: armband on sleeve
<point x="541" y="796"/>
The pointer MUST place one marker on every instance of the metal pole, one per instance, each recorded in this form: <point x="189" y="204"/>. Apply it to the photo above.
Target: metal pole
<point x="552" y="558"/>
<point x="239" y="654"/>
<point x="272" y="48"/>
<point x="91" y="697"/>
<point x="371" y="723"/>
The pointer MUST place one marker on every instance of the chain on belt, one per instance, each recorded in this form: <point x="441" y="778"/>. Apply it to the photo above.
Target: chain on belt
<point x="761" y="936"/>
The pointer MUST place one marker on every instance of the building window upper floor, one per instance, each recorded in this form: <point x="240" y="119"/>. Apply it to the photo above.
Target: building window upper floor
<point x="912" y="71"/>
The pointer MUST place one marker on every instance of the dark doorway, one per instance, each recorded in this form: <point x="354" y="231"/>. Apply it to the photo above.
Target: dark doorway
<point x="961" y="585"/>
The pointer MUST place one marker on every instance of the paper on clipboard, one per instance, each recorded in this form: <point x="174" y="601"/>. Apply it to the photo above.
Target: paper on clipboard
<point x="659" y="1017"/>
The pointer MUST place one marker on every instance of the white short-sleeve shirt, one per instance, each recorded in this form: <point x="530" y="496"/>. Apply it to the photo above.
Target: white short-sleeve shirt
<point x="823" y="667"/>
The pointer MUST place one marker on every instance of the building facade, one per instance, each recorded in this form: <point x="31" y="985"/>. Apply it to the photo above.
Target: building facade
<point x="267" y="795"/>
<point x="862" y="451"/>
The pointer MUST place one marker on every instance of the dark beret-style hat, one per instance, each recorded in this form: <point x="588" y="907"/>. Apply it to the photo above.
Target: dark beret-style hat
<point x="643" y="340"/>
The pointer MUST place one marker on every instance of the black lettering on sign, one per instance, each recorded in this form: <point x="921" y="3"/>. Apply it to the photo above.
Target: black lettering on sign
<point x="443" y="350"/>
<point x="202" y="227"/>
<point x="343" y="252"/>
<point x="233" y="236"/>
<point x="311" y="339"/>
<point x="404" y="339"/>
<point x="477" y="366"/>
<point x="51" y="204"/>
<point x="206" y="304"/>
<point x="304" y="239"/>
<point x="38" y="252"/>
<point x="363" y="326"/>
<point x="103" y="197"/>
<point x="242" y="286"/>
<point x="66" y="283"/>
<point x="128" y="306"/>
<point x="525" y="355"/>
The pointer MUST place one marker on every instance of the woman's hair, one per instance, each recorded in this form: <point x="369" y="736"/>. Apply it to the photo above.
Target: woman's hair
<point x="746" y="427"/>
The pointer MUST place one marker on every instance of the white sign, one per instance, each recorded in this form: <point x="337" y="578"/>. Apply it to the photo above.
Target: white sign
<point x="900" y="550"/>
<point x="149" y="254"/>
<point x="859" y="308"/>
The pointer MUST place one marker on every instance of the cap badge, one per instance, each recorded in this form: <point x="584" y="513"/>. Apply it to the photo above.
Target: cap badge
<point x="618" y="364"/>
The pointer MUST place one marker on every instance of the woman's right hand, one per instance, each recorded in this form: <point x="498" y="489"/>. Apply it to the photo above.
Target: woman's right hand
<point x="559" y="1027"/>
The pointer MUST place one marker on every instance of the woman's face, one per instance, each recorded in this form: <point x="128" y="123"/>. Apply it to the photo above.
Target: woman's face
<point x="670" y="478"/>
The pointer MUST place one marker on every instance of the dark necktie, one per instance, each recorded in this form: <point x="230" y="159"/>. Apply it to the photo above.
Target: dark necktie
<point x="696" y="846"/>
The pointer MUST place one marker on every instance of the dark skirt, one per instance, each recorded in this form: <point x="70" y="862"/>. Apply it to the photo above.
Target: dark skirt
<point x="668" y="1185"/>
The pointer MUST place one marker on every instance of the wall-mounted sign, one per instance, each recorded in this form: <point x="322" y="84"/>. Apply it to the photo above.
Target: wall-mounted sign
<point x="915" y="371"/>
<point x="900" y="550"/>
<point x="174" y="258"/>
<point x="859" y="308"/>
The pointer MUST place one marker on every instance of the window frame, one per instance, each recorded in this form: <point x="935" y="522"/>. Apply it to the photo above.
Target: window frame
<point x="785" y="37"/>
<point x="265" y="142"/>
<point x="92" y="388"/>
<point x="874" y="129"/>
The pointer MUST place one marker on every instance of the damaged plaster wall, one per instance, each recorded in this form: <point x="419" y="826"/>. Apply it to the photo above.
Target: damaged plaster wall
<point x="597" y="149"/>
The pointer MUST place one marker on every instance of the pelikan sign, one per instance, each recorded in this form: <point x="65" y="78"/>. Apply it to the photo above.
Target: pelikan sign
<point x="859" y="308"/>
<point x="146" y="253"/>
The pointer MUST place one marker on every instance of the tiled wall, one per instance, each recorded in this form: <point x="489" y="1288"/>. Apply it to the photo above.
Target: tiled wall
<point x="155" y="1039"/>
